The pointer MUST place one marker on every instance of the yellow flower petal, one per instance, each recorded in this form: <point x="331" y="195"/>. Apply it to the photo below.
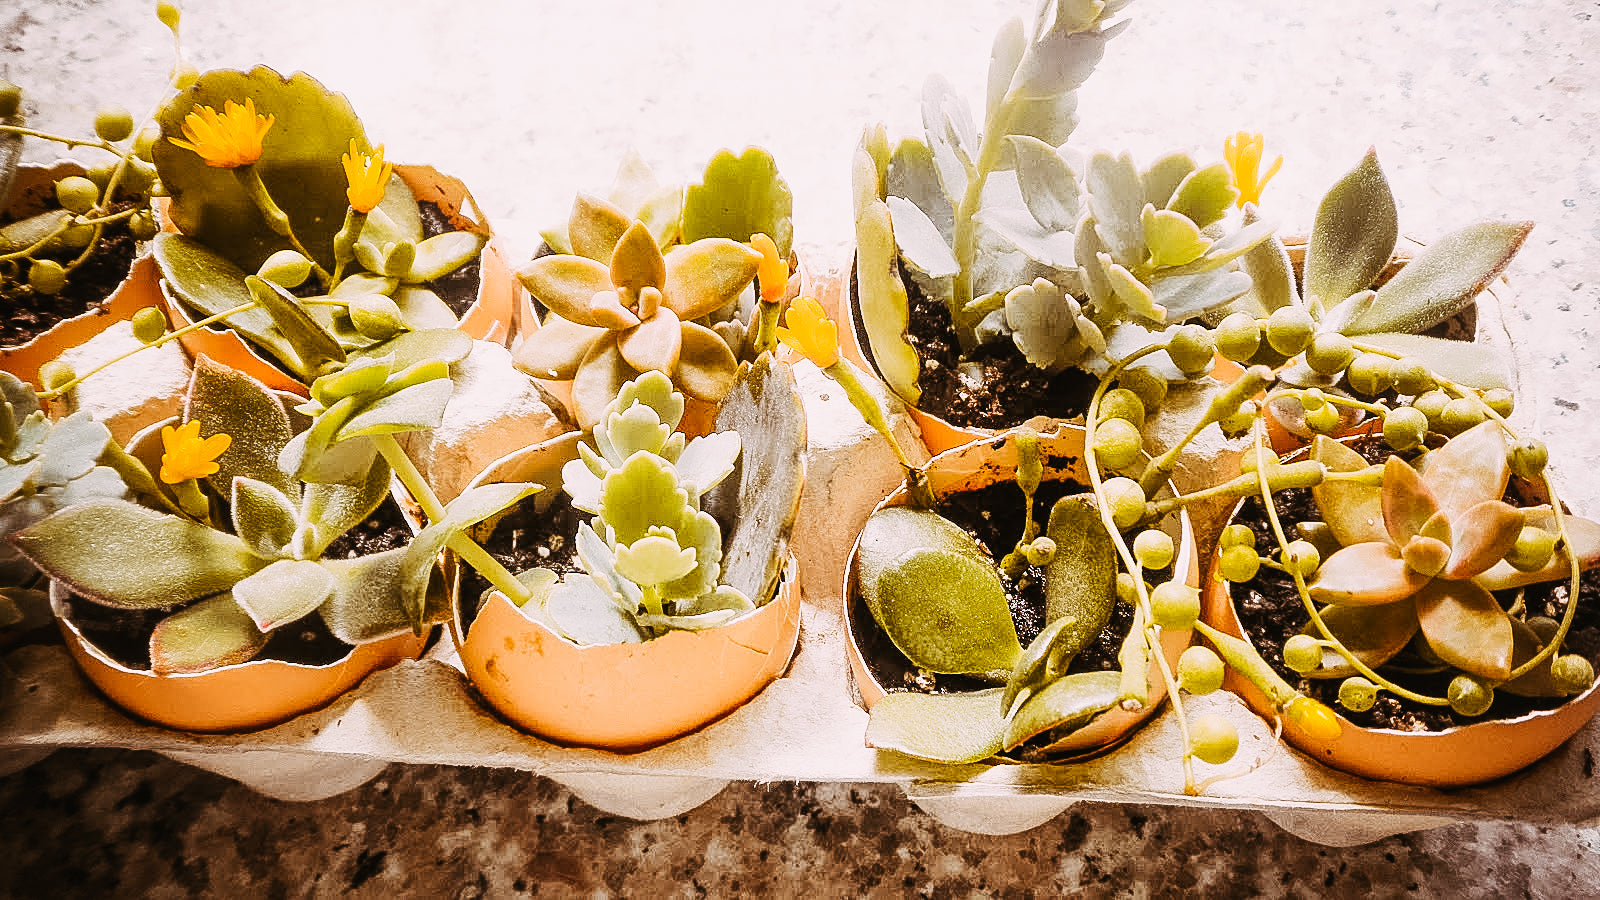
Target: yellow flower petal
<point x="1243" y="155"/>
<point x="810" y="332"/>
<point x="368" y="177"/>
<point x="772" y="273"/>
<point x="225" y="141"/>
<point x="187" y="455"/>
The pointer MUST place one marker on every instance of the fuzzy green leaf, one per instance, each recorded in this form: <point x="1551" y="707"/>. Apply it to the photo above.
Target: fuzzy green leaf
<point x="1049" y="186"/>
<point x="1271" y="274"/>
<point x="1472" y="364"/>
<point x="1205" y="195"/>
<point x="943" y="728"/>
<point x="1444" y="279"/>
<point x="1353" y="236"/>
<point x="1116" y="198"/>
<point x="283" y="592"/>
<point x="1161" y="180"/>
<point x="213" y="633"/>
<point x="444" y="253"/>
<point x="381" y="595"/>
<point x="335" y="508"/>
<point x="227" y="401"/>
<point x="738" y="197"/>
<point x="263" y="517"/>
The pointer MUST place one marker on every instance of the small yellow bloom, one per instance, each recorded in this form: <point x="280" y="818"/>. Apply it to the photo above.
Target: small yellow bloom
<point x="810" y="332"/>
<point x="228" y="141"/>
<point x="1243" y="155"/>
<point x="368" y="176"/>
<point x="187" y="454"/>
<point x="773" y="271"/>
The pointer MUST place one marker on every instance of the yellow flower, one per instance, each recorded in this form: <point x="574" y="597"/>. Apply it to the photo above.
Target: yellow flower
<point x="810" y="332"/>
<point x="773" y="271"/>
<point x="1243" y="155"/>
<point x="228" y="141"/>
<point x="187" y="454"/>
<point x="368" y="177"/>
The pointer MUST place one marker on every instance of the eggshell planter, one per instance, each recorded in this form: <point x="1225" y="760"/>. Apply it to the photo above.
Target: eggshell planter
<point x="139" y="290"/>
<point x="989" y="462"/>
<point x="490" y="317"/>
<point x="621" y="697"/>
<point x="1454" y="757"/>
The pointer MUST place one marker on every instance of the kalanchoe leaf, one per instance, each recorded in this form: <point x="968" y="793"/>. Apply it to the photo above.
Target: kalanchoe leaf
<point x="699" y="532"/>
<point x="1468" y="470"/>
<point x="1466" y="627"/>
<point x="1043" y="322"/>
<point x="594" y="228"/>
<point x="1068" y="703"/>
<point x="1161" y="180"/>
<point x="913" y="176"/>
<point x="1186" y="296"/>
<point x="654" y="559"/>
<point x="263" y="518"/>
<point x="71" y="449"/>
<point x="1080" y="584"/>
<point x="283" y="592"/>
<point x="1271" y="274"/>
<point x="585" y="613"/>
<point x="740" y="196"/>
<point x="1364" y="575"/>
<point x="1010" y="43"/>
<point x="1373" y="634"/>
<point x="1116" y="199"/>
<point x="1049" y="186"/>
<point x="642" y="492"/>
<point x="121" y="554"/>
<point x="1173" y="239"/>
<point x="707" y="460"/>
<point x="628" y="431"/>
<point x="1205" y="195"/>
<point x="885" y="308"/>
<point x="951" y="136"/>
<point x="212" y="633"/>
<point x="1062" y="59"/>
<point x="1353" y="236"/>
<point x="1443" y="279"/>
<point x="946" y="728"/>
<point x="919" y="240"/>
<point x="1131" y="292"/>
<point x="598" y="560"/>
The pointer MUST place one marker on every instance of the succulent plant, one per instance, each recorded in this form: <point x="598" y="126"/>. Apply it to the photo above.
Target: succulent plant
<point x="274" y="177"/>
<point x="250" y="494"/>
<point x="1075" y="270"/>
<point x="653" y="559"/>
<point x="666" y="291"/>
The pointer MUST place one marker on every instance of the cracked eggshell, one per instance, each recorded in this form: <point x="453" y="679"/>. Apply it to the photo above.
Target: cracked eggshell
<point x="979" y="465"/>
<point x="244" y="697"/>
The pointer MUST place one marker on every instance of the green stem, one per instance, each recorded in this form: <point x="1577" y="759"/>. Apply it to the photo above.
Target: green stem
<point x="70" y="142"/>
<point x="867" y="405"/>
<point x="344" y="244"/>
<point x="465" y="547"/>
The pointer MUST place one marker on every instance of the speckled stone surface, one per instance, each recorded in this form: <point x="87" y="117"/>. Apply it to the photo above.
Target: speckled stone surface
<point x="1477" y="110"/>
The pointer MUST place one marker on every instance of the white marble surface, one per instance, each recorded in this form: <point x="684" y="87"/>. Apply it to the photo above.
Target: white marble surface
<point x="1478" y="110"/>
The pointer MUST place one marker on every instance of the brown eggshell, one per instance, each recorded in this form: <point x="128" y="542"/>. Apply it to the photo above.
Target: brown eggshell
<point x="978" y="465"/>
<point x="244" y="697"/>
<point x="1455" y="757"/>
<point x="489" y="318"/>
<point x="627" y="696"/>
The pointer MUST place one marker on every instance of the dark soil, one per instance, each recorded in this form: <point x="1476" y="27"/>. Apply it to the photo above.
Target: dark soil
<point x="994" y="517"/>
<point x="1270" y="610"/>
<point x="459" y="289"/>
<point x="1001" y="388"/>
<point x="29" y="313"/>
<point x="124" y="635"/>
<point x="526" y="539"/>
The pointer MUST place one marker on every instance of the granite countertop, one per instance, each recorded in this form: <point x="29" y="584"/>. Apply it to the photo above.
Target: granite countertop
<point x="1477" y="111"/>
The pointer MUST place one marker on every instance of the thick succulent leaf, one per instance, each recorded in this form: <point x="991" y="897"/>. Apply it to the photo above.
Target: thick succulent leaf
<point x="1437" y="284"/>
<point x="585" y="613"/>
<point x="445" y="345"/>
<point x="210" y="634"/>
<point x="1018" y="227"/>
<point x="556" y="348"/>
<point x="300" y="165"/>
<point x="227" y="401"/>
<point x="566" y="285"/>
<point x="1364" y="575"/>
<point x="1354" y="511"/>
<point x="699" y="533"/>
<point x="71" y="450"/>
<point x="600" y="376"/>
<point x="1043" y="323"/>
<point x="707" y="275"/>
<point x="375" y="597"/>
<point x="1408" y="504"/>
<point x="707" y="460"/>
<point x="316" y="349"/>
<point x="283" y="592"/>
<point x="739" y="197"/>
<point x="1468" y="470"/>
<point x="1205" y="195"/>
<point x="1050" y="119"/>
<point x="1172" y="238"/>
<point x="209" y="284"/>
<point x="595" y="226"/>
<point x="1080" y="584"/>
<point x="1069" y="703"/>
<point x="885" y="308"/>
<point x="624" y="432"/>
<point x="1049" y="186"/>
<point x="1004" y="55"/>
<point x="1584" y="535"/>
<point x="758" y="505"/>
<point x="1271" y="274"/>
<point x="919" y="240"/>
<point x="415" y="408"/>
<point x="1186" y="296"/>
<point x="1062" y="60"/>
<point x="636" y="263"/>
<point x="444" y="253"/>
<point x="951" y="135"/>
<point x="1116" y="198"/>
<point x="640" y="494"/>
<point x="1484" y="534"/>
<point x="1132" y="292"/>
<point x="1161" y="180"/>
<point x="121" y="554"/>
<point x="24" y="402"/>
<point x="332" y="509"/>
<point x="945" y="728"/>
<point x="263" y="517"/>
<point x="706" y="367"/>
<point x="1353" y="236"/>
<point x="1466" y="627"/>
<point x="654" y="344"/>
<point x="913" y="175"/>
<point x="397" y="217"/>
<point x="1373" y="634"/>
<point x="1472" y="364"/>
<point x="597" y="559"/>
<point x="945" y="609"/>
